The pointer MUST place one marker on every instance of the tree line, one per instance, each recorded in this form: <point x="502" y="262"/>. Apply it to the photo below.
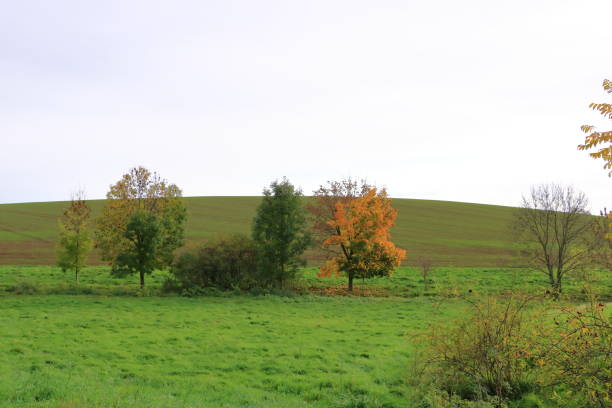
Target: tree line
<point x="143" y="224"/>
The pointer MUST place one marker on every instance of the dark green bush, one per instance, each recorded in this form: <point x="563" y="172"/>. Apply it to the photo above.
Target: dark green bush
<point x="225" y="262"/>
<point x="24" y="288"/>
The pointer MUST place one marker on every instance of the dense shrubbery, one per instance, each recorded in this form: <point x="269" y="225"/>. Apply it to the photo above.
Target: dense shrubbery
<point x="579" y="358"/>
<point x="506" y="349"/>
<point x="489" y="354"/>
<point x="224" y="262"/>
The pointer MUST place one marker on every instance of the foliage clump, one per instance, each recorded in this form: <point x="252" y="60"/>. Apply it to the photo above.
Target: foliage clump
<point x="143" y="243"/>
<point x="509" y="350"/>
<point x="224" y="262"/>
<point x="357" y="230"/>
<point x="280" y="232"/>
<point x="489" y="355"/>
<point x="595" y="138"/>
<point x="75" y="241"/>
<point x="159" y="204"/>
<point x="579" y="357"/>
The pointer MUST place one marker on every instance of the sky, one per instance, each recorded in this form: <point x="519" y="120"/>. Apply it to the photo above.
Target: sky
<point x="471" y="101"/>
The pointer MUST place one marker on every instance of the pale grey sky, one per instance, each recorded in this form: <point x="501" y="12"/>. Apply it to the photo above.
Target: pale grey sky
<point x="466" y="101"/>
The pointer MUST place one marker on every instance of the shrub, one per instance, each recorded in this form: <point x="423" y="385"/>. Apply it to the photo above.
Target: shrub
<point x="224" y="262"/>
<point x="440" y="399"/>
<point x="24" y="288"/>
<point x="488" y="355"/>
<point x="580" y="354"/>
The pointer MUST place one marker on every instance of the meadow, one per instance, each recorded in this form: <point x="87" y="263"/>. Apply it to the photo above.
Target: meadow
<point x="106" y="344"/>
<point x="451" y="233"/>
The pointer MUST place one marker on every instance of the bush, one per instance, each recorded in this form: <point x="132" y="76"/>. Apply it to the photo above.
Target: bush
<point x="490" y="355"/>
<point x="225" y="262"/>
<point x="441" y="399"/>
<point x="579" y="357"/>
<point x="24" y="288"/>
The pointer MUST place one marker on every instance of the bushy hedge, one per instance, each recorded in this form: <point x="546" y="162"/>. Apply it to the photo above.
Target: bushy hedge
<point x="505" y="350"/>
<point x="224" y="262"/>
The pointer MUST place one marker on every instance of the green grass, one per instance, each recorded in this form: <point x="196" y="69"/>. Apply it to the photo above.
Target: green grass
<point x="405" y="282"/>
<point x="453" y="234"/>
<point x="75" y="351"/>
<point x="110" y="345"/>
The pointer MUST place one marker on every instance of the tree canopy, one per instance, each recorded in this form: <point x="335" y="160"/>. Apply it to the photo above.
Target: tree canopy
<point x="144" y="241"/>
<point x="75" y="241"/>
<point x="596" y="138"/>
<point x="360" y="227"/>
<point x="280" y="231"/>
<point x="141" y="190"/>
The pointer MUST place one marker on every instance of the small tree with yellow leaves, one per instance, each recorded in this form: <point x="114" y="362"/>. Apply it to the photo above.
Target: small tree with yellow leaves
<point x="75" y="241"/>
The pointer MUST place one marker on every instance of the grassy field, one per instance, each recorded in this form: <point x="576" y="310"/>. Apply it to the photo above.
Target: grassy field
<point x="106" y="344"/>
<point x="453" y="234"/>
<point x="72" y="351"/>
<point x="406" y="282"/>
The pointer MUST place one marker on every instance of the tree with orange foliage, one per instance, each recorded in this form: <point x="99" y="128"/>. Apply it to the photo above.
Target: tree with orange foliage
<point x="323" y="207"/>
<point x="593" y="138"/>
<point x="360" y="228"/>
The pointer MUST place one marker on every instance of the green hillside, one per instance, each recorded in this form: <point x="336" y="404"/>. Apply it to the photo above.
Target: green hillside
<point x="453" y="234"/>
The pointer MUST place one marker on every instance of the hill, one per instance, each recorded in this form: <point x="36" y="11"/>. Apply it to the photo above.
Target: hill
<point x="452" y="233"/>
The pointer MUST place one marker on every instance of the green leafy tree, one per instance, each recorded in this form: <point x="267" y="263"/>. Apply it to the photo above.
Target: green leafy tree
<point x="143" y="234"/>
<point x="75" y="241"/>
<point x="280" y="232"/>
<point x="141" y="190"/>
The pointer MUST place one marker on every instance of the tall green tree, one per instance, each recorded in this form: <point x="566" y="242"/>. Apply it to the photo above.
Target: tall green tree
<point x="139" y="190"/>
<point x="75" y="241"/>
<point x="280" y="232"/>
<point x="143" y="234"/>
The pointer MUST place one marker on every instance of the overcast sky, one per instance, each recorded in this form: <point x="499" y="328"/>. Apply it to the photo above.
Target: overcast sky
<point x="448" y="100"/>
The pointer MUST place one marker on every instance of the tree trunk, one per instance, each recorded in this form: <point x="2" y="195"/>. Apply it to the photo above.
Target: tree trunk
<point x="141" y="280"/>
<point x="76" y="269"/>
<point x="350" y="286"/>
<point x="551" y="276"/>
<point x="557" y="287"/>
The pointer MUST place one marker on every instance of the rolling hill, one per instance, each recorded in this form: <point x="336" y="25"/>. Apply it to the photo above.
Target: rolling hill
<point x="451" y="233"/>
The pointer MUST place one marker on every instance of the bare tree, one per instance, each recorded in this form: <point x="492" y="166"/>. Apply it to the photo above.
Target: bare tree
<point x="553" y="224"/>
<point x="425" y="264"/>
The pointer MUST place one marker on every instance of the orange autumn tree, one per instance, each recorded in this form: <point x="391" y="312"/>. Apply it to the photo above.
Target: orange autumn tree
<point x="361" y="230"/>
<point x="602" y="141"/>
<point x="594" y="139"/>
